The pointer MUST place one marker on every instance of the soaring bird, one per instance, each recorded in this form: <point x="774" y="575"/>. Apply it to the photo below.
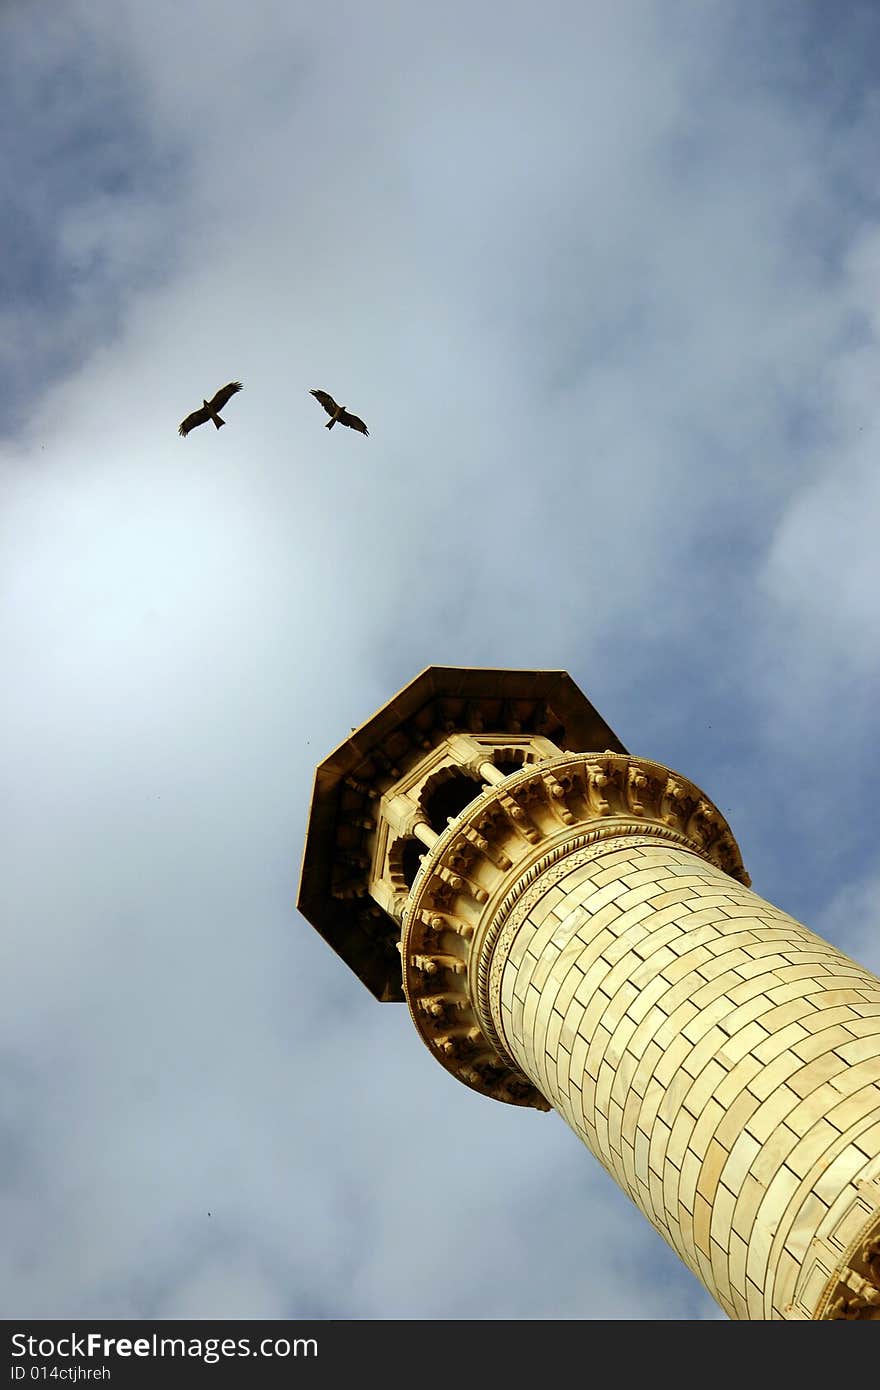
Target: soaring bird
<point x="338" y="412"/>
<point x="210" y="409"/>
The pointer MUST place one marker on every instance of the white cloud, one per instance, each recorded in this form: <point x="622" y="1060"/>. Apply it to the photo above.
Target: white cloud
<point x="585" y="280"/>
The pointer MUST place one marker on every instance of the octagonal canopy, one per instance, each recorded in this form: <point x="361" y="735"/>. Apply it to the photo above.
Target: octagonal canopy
<point x="442" y="700"/>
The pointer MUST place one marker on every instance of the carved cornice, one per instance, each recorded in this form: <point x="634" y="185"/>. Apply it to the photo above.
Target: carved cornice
<point x="481" y="869"/>
<point x="853" y="1292"/>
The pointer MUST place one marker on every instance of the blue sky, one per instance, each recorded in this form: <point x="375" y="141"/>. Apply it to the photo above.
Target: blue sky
<point x="604" y="282"/>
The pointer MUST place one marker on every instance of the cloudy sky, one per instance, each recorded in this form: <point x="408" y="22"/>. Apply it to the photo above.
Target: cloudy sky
<point x="604" y="281"/>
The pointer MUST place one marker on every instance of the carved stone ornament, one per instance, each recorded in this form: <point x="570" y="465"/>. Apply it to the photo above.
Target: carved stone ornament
<point x="854" y="1290"/>
<point x="458" y="918"/>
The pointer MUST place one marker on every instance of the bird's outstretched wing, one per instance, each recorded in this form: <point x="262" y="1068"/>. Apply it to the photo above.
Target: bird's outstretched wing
<point x="353" y="422"/>
<point x="198" y="417"/>
<point x="224" y="394"/>
<point x="326" y="400"/>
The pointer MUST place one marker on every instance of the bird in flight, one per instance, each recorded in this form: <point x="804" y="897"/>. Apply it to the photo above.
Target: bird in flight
<point x="338" y="412"/>
<point x="210" y="409"/>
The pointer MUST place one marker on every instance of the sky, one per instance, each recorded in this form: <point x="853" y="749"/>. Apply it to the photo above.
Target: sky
<point x="604" y="282"/>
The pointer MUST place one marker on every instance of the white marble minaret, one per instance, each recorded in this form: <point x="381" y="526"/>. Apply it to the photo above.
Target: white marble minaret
<point x="572" y="928"/>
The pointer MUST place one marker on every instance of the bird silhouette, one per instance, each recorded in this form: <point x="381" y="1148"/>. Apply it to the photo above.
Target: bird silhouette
<point x="210" y="409"/>
<point x="338" y="412"/>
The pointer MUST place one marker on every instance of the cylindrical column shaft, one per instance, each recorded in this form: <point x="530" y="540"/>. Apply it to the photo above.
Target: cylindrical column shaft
<point x="720" y="1060"/>
<point x="425" y="833"/>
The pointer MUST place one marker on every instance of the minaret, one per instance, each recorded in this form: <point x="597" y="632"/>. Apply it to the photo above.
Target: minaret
<point x="572" y="928"/>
